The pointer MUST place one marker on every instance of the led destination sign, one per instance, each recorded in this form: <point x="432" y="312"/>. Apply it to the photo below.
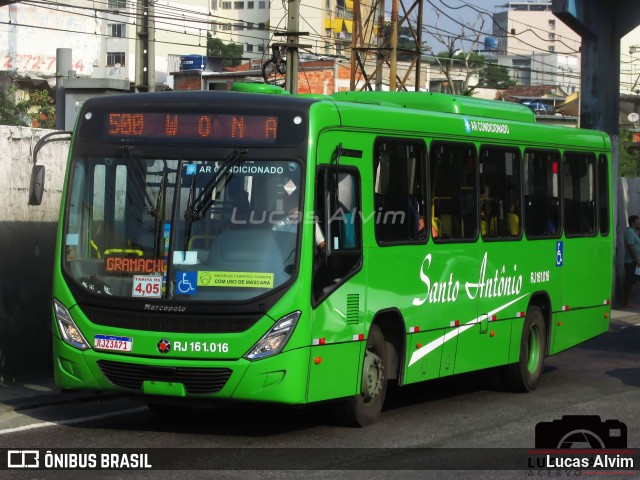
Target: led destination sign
<point x="192" y="126"/>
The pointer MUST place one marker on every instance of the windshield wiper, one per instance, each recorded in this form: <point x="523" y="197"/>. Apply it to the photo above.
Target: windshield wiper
<point x="196" y="207"/>
<point x="158" y="230"/>
<point x="189" y="216"/>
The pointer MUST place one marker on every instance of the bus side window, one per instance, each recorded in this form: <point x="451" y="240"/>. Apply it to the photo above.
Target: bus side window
<point x="399" y="198"/>
<point x="453" y="188"/>
<point x="603" y="194"/>
<point x="542" y="193"/>
<point x="579" y="192"/>
<point x="500" y="192"/>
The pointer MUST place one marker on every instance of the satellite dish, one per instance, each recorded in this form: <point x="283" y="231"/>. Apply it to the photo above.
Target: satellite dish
<point x="633" y="117"/>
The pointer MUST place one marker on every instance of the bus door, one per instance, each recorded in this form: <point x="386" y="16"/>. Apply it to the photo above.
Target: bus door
<point x="583" y="296"/>
<point x="334" y="225"/>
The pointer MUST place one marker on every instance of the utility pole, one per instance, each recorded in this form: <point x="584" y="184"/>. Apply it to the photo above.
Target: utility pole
<point x="366" y="43"/>
<point x="291" y="46"/>
<point x="291" y="82"/>
<point x="145" y="47"/>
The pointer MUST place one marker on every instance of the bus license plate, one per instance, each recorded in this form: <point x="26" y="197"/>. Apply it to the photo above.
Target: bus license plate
<point x="108" y="342"/>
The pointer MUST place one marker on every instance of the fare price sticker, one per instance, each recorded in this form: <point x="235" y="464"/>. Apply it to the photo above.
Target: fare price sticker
<point x="148" y="286"/>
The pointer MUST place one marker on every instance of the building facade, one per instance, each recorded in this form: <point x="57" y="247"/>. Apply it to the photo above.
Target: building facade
<point x="536" y="47"/>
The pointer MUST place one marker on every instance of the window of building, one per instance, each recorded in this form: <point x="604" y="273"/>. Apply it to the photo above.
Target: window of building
<point x="214" y="4"/>
<point x="500" y="193"/>
<point x="261" y="48"/>
<point x="399" y="191"/>
<point x="226" y="5"/>
<point x="453" y="191"/>
<point x="249" y="26"/>
<point x="552" y="48"/>
<point x="552" y="24"/>
<point x="552" y="36"/>
<point x="239" y="26"/>
<point x="226" y="27"/>
<point x="249" y="47"/>
<point x="579" y="193"/>
<point x="117" y="4"/>
<point x="238" y="5"/>
<point x="261" y="26"/>
<point x="250" y="5"/>
<point x="114" y="58"/>
<point x="541" y="193"/>
<point x="116" y="29"/>
<point x="262" y="4"/>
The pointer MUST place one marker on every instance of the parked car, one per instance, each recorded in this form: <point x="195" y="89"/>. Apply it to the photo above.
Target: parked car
<point x="539" y="108"/>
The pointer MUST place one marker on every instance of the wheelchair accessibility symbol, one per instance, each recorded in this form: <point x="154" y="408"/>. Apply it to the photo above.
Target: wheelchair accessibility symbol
<point x="559" y="254"/>
<point x="187" y="283"/>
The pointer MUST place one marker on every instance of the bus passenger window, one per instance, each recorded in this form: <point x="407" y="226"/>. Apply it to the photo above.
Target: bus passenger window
<point x="579" y="193"/>
<point x="603" y="194"/>
<point x="541" y="193"/>
<point x="500" y="192"/>
<point x="453" y="191"/>
<point x="399" y="198"/>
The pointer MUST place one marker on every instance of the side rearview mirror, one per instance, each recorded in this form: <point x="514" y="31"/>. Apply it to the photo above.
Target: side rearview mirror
<point x="36" y="187"/>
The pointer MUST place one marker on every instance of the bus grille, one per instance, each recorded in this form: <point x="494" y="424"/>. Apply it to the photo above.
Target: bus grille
<point x="159" y="322"/>
<point x="195" y="380"/>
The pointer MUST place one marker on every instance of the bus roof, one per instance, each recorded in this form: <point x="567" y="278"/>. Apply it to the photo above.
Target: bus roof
<point x="443" y="103"/>
<point x="200" y="98"/>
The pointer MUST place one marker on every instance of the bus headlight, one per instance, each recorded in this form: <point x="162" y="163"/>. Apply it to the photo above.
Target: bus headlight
<point x="275" y="339"/>
<point x="68" y="329"/>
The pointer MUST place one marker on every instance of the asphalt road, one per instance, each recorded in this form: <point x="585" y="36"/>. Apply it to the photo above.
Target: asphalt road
<point x="600" y="377"/>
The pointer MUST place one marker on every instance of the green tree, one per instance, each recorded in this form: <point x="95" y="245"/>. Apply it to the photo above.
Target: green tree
<point x="628" y="159"/>
<point x="12" y="113"/>
<point x="495" y="76"/>
<point x="407" y="42"/>
<point x="231" y="53"/>
<point x="42" y="109"/>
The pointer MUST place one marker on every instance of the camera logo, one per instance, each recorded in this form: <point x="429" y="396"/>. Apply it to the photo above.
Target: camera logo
<point x="23" y="459"/>
<point x="581" y="431"/>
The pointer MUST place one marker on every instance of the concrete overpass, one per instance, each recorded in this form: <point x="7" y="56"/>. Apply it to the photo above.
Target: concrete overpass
<point x="601" y="24"/>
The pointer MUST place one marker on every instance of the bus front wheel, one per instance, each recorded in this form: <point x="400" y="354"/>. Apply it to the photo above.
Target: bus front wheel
<point x="364" y="409"/>
<point x="524" y="375"/>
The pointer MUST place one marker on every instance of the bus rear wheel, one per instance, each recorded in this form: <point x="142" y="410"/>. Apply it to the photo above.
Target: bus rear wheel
<point x="524" y="375"/>
<point x="364" y="409"/>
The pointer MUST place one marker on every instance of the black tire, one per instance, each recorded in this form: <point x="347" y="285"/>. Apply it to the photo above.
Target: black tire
<point x="524" y="375"/>
<point x="364" y="409"/>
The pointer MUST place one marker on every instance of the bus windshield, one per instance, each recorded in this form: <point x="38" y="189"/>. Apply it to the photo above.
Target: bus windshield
<point x="179" y="229"/>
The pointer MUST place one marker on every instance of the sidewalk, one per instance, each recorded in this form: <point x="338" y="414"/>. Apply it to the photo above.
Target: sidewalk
<point x="43" y="392"/>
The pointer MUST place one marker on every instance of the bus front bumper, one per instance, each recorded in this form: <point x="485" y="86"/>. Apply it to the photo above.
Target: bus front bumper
<point x="281" y="378"/>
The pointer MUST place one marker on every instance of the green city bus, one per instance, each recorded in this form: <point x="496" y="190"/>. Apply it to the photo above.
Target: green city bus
<point x="306" y="248"/>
